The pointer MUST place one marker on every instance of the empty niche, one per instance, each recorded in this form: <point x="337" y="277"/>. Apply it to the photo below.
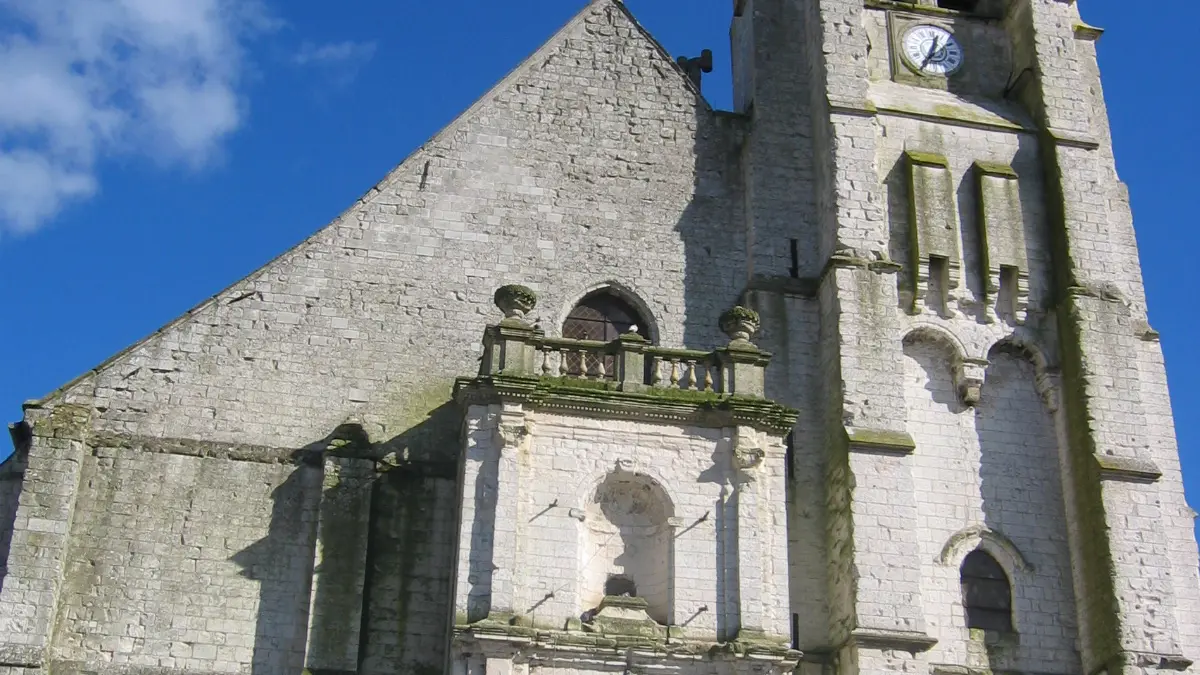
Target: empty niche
<point x="627" y="547"/>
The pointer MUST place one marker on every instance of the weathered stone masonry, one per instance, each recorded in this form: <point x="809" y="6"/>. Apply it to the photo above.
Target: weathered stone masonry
<point x="941" y="350"/>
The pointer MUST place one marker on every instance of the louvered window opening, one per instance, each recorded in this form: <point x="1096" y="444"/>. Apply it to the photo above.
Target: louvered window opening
<point x="987" y="594"/>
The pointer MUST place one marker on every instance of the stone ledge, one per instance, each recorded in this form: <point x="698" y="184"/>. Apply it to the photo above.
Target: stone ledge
<point x="1087" y="32"/>
<point x="1126" y="658"/>
<point x="92" y="667"/>
<point x="877" y="638"/>
<point x="511" y="640"/>
<point x="880" y="441"/>
<point x="996" y="169"/>
<point x="927" y="158"/>
<point x="1071" y="139"/>
<point x="21" y="656"/>
<point x="1127" y="469"/>
<point x="591" y="398"/>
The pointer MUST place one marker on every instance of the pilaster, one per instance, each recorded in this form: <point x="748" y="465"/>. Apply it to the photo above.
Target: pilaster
<point x="762" y="573"/>
<point x="1120" y="502"/>
<point x="41" y="532"/>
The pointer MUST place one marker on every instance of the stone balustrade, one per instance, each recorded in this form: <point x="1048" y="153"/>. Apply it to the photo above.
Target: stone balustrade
<point x="628" y="363"/>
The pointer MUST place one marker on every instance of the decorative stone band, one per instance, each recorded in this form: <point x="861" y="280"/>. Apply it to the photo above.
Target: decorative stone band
<point x="880" y="441"/>
<point x="667" y="406"/>
<point x="1127" y="469"/>
<point x="903" y="640"/>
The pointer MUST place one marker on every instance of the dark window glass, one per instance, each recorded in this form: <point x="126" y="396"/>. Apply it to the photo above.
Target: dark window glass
<point x="987" y="595"/>
<point x="602" y="317"/>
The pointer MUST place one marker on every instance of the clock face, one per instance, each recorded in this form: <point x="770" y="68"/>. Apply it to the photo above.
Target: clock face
<point x="932" y="50"/>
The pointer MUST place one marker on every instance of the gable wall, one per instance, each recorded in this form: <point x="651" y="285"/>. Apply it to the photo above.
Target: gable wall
<point x="593" y="163"/>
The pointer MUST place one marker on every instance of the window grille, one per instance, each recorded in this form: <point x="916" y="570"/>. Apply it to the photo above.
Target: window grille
<point x="602" y="317"/>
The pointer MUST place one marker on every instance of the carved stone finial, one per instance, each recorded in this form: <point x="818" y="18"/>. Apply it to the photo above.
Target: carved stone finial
<point x="515" y="301"/>
<point x="740" y="323"/>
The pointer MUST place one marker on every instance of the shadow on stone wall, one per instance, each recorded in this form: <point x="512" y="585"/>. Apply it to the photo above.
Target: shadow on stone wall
<point x="712" y="229"/>
<point x="403" y="611"/>
<point x="410" y="555"/>
<point x="1021" y="486"/>
<point x="282" y="564"/>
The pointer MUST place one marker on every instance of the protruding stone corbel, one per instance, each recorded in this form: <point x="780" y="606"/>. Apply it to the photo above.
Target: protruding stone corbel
<point x="1049" y="386"/>
<point x="512" y="428"/>
<point x="969" y="375"/>
<point x="748" y="450"/>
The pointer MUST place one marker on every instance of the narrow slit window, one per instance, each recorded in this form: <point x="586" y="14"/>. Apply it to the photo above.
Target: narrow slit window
<point x="939" y="282"/>
<point x="987" y="594"/>
<point x="1006" y="298"/>
<point x="795" y="250"/>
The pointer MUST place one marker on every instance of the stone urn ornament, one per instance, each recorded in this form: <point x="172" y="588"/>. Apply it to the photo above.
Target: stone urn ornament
<point x="740" y="324"/>
<point x="516" y="301"/>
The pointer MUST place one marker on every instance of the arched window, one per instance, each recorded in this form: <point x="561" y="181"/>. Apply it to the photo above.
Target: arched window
<point x="987" y="595"/>
<point x="600" y="316"/>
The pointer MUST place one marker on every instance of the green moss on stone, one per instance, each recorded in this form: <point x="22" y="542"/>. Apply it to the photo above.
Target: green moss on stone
<point x="883" y="439"/>
<point x="927" y="158"/>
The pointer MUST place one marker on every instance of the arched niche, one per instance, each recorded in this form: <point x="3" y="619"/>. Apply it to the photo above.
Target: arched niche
<point x="628" y="544"/>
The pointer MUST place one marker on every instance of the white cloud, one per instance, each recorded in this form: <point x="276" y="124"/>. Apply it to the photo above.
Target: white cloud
<point x="348" y="52"/>
<point x="88" y="79"/>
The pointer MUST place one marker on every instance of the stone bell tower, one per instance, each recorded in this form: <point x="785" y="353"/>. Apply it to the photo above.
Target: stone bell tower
<point x="598" y="480"/>
<point x="944" y="260"/>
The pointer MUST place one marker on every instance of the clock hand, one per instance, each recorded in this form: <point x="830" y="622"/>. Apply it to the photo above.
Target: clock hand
<point x="932" y="50"/>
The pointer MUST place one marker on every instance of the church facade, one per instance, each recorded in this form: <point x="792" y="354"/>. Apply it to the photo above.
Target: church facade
<point x="856" y="378"/>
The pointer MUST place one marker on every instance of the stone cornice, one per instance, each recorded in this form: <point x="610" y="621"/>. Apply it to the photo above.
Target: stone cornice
<point x="599" y="399"/>
<point x="508" y="640"/>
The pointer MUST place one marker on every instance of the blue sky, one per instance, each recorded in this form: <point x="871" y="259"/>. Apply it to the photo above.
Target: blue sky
<point x="159" y="150"/>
